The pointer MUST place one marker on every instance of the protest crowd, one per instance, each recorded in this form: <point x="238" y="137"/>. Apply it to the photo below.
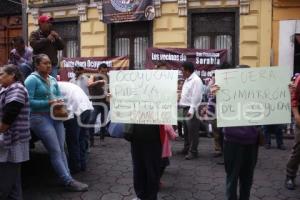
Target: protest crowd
<point x="63" y="115"/>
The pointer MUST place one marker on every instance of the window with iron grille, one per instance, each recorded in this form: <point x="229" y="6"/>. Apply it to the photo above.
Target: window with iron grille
<point x="297" y="54"/>
<point x="215" y="31"/>
<point x="131" y="39"/>
<point x="68" y="30"/>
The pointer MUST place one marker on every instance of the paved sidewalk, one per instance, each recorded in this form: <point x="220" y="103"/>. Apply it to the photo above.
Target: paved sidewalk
<point x="109" y="175"/>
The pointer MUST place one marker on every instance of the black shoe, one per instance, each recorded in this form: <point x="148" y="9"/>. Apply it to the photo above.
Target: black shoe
<point x="183" y="152"/>
<point x="191" y="156"/>
<point x="281" y="147"/>
<point x="102" y="136"/>
<point x="106" y="133"/>
<point x="217" y="154"/>
<point x="92" y="142"/>
<point x="290" y="183"/>
<point x="221" y="162"/>
<point x="74" y="171"/>
<point x="97" y="133"/>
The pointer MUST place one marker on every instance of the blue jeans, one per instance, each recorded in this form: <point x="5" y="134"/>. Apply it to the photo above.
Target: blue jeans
<point x="99" y="109"/>
<point x="25" y="69"/>
<point x="52" y="134"/>
<point x="77" y="141"/>
<point x="276" y="129"/>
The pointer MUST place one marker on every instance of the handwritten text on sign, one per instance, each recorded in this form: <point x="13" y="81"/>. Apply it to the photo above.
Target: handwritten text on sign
<point x="253" y="96"/>
<point x="144" y="96"/>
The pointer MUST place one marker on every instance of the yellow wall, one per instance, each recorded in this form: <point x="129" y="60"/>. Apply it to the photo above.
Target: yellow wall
<point x="283" y="13"/>
<point x="93" y="37"/>
<point x="255" y="34"/>
<point x="35" y="1"/>
<point x="170" y="30"/>
<point x="31" y="26"/>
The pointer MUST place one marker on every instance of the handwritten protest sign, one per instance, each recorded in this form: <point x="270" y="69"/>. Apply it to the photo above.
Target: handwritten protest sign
<point x="144" y="96"/>
<point x="253" y="96"/>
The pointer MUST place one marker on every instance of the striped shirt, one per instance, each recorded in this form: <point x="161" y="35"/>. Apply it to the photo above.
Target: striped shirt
<point x="18" y="131"/>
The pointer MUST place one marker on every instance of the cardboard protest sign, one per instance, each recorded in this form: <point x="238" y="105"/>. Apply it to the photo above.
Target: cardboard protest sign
<point x="253" y="96"/>
<point x="144" y="96"/>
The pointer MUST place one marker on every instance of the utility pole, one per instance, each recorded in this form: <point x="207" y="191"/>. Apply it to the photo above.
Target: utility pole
<point x="24" y="21"/>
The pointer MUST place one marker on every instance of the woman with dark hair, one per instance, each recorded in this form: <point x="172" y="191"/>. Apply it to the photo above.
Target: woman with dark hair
<point x="43" y="95"/>
<point x="14" y="131"/>
<point x="240" y="156"/>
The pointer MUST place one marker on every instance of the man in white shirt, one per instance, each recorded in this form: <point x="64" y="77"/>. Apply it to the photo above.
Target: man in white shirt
<point x="77" y="131"/>
<point x="191" y="97"/>
<point x="80" y="79"/>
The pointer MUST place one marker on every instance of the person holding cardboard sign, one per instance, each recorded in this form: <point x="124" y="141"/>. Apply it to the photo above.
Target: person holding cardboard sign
<point x="240" y="157"/>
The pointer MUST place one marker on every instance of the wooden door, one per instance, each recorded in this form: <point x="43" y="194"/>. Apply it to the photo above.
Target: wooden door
<point x="10" y="27"/>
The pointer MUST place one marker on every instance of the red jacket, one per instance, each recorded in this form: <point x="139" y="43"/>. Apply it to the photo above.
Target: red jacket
<point x="295" y="96"/>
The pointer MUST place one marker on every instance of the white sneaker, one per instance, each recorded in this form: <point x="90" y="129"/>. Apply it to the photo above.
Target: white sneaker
<point x="77" y="186"/>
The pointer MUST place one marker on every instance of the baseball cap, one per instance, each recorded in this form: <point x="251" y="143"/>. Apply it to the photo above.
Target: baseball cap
<point x="44" y="19"/>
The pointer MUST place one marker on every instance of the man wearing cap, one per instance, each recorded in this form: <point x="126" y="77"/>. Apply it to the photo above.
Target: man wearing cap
<point x="46" y="41"/>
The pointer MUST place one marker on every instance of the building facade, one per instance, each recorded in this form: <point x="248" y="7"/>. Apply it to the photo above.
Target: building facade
<point x="10" y="26"/>
<point x="243" y="27"/>
<point x="286" y="34"/>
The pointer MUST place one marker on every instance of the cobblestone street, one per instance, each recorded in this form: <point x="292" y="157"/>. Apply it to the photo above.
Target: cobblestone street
<point x="109" y="175"/>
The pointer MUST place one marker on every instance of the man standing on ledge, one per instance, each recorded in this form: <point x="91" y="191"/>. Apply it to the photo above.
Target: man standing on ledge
<point x="190" y="99"/>
<point x="47" y="41"/>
